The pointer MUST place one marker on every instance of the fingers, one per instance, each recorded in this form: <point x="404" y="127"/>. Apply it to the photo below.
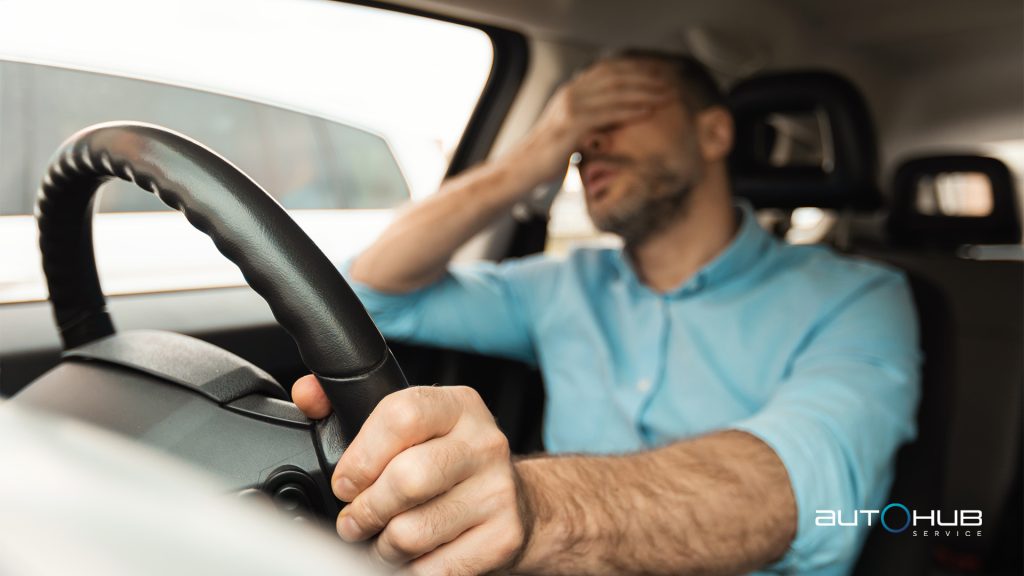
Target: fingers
<point x="402" y="419"/>
<point x="611" y="92"/>
<point x="412" y="478"/>
<point x="618" y="89"/>
<point x="632" y="80"/>
<point x="624" y="98"/>
<point x="607" y="104"/>
<point x="480" y="550"/>
<point x="429" y="469"/>
<point x="616" y="74"/>
<point x="309" y="396"/>
<point x="426" y="527"/>
<point x="617" y="97"/>
<point x="612" y="117"/>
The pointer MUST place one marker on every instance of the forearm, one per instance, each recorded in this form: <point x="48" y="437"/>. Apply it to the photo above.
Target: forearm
<point x="720" y="504"/>
<point x="415" y="250"/>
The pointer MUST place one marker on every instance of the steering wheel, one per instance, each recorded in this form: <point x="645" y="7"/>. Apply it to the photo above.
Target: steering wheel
<point x="183" y="395"/>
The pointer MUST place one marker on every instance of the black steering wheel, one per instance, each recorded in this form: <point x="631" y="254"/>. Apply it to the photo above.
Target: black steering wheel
<point x="181" y="394"/>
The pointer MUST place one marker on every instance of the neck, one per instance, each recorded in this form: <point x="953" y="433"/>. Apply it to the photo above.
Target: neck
<point x="667" y="259"/>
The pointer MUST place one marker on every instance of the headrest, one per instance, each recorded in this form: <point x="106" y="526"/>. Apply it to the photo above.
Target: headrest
<point x="803" y="139"/>
<point x="947" y="201"/>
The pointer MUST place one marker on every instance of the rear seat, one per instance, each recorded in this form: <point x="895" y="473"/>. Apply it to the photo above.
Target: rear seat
<point x="952" y="444"/>
<point x="983" y="465"/>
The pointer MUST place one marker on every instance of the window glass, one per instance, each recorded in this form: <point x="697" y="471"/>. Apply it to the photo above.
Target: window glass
<point x="800" y="139"/>
<point x="810" y="225"/>
<point x="340" y="112"/>
<point x="303" y="161"/>
<point x="954" y="194"/>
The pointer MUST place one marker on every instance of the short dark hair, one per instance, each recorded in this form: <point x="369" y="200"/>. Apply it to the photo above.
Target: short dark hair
<point x="700" y="89"/>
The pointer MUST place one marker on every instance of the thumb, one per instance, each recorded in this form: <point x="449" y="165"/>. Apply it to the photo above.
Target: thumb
<point x="309" y="396"/>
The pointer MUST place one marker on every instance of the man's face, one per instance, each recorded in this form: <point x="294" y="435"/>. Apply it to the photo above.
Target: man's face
<point x="638" y="176"/>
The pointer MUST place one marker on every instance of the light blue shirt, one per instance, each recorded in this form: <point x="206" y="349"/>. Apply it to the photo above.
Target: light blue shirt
<point x="814" y="353"/>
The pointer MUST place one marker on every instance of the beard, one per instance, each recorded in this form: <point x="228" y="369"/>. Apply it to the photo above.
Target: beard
<point x="659" y="197"/>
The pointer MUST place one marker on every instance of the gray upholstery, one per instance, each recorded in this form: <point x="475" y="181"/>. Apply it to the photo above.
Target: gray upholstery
<point x="982" y="430"/>
<point x="967" y="454"/>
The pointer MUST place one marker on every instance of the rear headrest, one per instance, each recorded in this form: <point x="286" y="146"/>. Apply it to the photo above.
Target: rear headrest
<point x="803" y="139"/>
<point x="943" y="201"/>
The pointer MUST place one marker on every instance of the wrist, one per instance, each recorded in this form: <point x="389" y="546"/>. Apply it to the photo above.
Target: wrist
<point x="538" y="544"/>
<point x="542" y="156"/>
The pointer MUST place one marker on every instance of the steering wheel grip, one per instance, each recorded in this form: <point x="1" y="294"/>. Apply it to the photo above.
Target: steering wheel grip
<point x="307" y="295"/>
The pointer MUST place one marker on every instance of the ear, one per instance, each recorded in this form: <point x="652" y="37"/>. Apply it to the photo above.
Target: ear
<point x="714" y="133"/>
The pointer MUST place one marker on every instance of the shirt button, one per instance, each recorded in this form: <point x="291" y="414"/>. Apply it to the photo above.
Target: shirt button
<point x="643" y="385"/>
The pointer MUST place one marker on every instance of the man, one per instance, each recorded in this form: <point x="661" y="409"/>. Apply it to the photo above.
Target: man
<point x="708" y="387"/>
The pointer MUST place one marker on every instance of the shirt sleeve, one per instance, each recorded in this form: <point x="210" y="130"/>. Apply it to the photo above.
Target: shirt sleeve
<point x="837" y="420"/>
<point x="480" y="307"/>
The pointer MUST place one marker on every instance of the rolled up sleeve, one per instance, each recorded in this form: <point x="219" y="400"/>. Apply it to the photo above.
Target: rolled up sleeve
<point x="476" y="307"/>
<point x="841" y="414"/>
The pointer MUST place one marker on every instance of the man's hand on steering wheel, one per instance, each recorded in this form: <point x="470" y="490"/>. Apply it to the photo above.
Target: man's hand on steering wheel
<point x="430" y="475"/>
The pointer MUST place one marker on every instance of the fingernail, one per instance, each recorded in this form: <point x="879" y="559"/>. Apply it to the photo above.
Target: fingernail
<point x="348" y="528"/>
<point x="344" y="489"/>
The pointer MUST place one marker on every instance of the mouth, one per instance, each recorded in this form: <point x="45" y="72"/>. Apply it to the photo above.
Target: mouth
<point x="596" y="179"/>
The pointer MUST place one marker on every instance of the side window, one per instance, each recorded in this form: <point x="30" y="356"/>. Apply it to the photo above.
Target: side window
<point x="362" y="164"/>
<point x="304" y="161"/>
<point x="348" y="113"/>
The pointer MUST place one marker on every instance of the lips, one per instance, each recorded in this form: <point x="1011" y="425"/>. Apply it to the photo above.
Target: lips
<point x="596" y="178"/>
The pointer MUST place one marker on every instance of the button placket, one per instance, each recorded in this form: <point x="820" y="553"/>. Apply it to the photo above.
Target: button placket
<point x="646" y="386"/>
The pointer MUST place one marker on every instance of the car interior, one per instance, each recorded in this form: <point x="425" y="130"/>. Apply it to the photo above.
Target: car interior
<point x="887" y="131"/>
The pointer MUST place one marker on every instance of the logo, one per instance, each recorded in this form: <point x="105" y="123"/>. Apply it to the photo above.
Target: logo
<point x="896" y="518"/>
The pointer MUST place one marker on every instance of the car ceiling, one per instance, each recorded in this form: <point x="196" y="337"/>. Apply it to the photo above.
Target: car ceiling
<point x="893" y="35"/>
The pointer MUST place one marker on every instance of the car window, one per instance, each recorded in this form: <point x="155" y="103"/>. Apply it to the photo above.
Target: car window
<point x="337" y="118"/>
<point x="302" y="160"/>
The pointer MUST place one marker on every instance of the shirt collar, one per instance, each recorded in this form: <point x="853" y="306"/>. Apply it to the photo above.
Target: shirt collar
<point x="747" y="246"/>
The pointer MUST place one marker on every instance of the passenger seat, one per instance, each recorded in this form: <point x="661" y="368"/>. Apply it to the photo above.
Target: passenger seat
<point x="805" y="139"/>
<point x="983" y="455"/>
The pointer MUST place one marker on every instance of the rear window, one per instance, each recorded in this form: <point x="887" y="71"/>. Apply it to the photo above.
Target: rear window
<point x="341" y="112"/>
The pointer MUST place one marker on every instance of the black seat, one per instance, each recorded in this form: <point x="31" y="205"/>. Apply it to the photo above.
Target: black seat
<point x="908" y="227"/>
<point x="843" y="175"/>
<point x="780" y="118"/>
<point x="983" y="460"/>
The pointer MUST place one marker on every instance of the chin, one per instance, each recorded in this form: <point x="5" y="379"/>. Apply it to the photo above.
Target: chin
<point x="605" y="220"/>
<point x="602" y="215"/>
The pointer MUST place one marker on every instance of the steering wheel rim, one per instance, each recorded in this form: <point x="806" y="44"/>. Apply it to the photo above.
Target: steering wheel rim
<point x="310" y="299"/>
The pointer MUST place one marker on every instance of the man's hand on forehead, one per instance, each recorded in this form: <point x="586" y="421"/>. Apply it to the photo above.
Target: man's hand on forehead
<point x="617" y="86"/>
<point x="609" y="93"/>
